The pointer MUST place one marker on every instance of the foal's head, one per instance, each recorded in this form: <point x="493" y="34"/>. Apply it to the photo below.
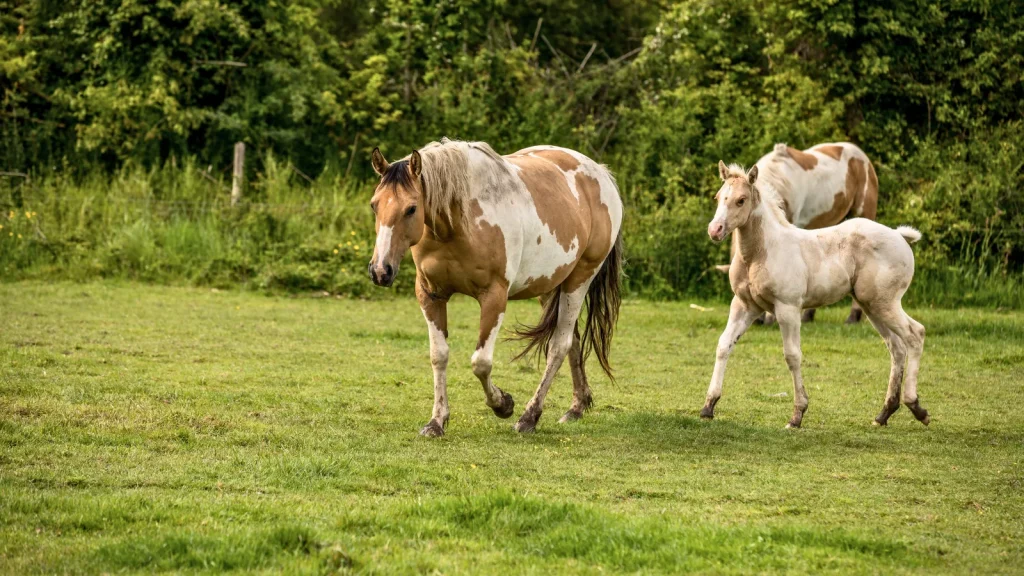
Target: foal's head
<point x="737" y="198"/>
<point x="396" y="205"/>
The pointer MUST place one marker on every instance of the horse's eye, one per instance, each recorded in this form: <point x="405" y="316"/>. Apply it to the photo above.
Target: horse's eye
<point x="410" y="211"/>
<point x="740" y="201"/>
<point x="373" y="206"/>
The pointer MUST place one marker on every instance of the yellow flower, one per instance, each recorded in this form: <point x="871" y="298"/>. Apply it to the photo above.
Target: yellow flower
<point x="356" y="247"/>
<point x="353" y="233"/>
<point x="10" y="215"/>
<point x="10" y="233"/>
<point x="19" y="235"/>
<point x="344" y="270"/>
<point x="1" y="226"/>
<point x="28" y="215"/>
<point x="335" y="250"/>
<point x="339" y="245"/>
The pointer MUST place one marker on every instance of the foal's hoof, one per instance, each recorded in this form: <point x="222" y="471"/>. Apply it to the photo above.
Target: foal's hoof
<point x="570" y="416"/>
<point x="432" y="430"/>
<point x="920" y="413"/>
<point x="527" y="422"/>
<point x="506" y="408"/>
<point x="792" y="425"/>
<point x="707" y="413"/>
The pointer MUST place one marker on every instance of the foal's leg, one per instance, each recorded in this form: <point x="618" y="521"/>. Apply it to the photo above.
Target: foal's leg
<point x="436" y="313"/>
<point x="569" y="306"/>
<point x="789" y="321"/>
<point x="492" y="312"/>
<point x="911" y="332"/>
<point x="582" y="399"/>
<point x="740" y="318"/>
<point x="898" y="354"/>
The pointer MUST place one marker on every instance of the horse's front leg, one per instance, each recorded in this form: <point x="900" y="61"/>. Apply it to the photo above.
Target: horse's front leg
<point x="435" y="311"/>
<point x="789" y="322"/>
<point x="492" y="312"/>
<point x="741" y="316"/>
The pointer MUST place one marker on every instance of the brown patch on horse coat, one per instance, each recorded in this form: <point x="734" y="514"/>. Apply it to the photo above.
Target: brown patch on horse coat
<point x="867" y="207"/>
<point x="552" y="198"/>
<point x="468" y="262"/>
<point x="831" y="150"/>
<point x="803" y="159"/>
<point x="845" y="199"/>
<point x="563" y="160"/>
<point x="599" y="236"/>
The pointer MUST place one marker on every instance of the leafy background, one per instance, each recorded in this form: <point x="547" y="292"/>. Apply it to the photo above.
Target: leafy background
<point x="119" y="119"/>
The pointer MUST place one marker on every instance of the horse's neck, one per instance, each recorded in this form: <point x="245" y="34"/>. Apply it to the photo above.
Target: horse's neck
<point x="759" y="231"/>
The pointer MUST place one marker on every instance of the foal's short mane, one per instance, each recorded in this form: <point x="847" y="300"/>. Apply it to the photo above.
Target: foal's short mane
<point x="764" y="191"/>
<point x="446" y="176"/>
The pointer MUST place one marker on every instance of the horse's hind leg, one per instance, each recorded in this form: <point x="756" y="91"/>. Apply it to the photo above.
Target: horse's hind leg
<point x="898" y="355"/>
<point x="569" y="306"/>
<point x="492" y="311"/>
<point x="582" y="399"/>
<point x="910" y="334"/>
<point x="855" y="313"/>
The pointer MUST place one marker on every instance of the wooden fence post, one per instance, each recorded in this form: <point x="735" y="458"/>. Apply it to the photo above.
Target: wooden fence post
<point x="239" y="173"/>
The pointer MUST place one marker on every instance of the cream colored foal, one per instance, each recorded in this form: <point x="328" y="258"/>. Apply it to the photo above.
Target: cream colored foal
<point x="783" y="269"/>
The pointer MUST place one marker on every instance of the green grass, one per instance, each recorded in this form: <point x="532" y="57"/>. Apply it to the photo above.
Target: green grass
<point x="171" y="429"/>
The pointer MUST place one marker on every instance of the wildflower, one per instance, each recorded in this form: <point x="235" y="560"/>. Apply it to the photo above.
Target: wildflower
<point x="352" y="233"/>
<point x="10" y="215"/>
<point x="10" y="233"/>
<point x="335" y="250"/>
<point x="339" y="245"/>
<point x="344" y="270"/>
<point x="1" y="226"/>
<point x="28" y="215"/>
<point x="19" y="236"/>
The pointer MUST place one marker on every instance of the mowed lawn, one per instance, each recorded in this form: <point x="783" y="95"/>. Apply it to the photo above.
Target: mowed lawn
<point x="175" y="429"/>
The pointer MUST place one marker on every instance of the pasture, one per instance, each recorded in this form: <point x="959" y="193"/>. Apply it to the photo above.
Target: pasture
<point x="177" y="429"/>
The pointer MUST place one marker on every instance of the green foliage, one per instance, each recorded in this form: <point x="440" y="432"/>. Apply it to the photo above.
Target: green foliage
<point x="97" y="93"/>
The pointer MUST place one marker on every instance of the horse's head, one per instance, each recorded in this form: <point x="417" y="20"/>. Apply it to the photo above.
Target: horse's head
<point x="396" y="205"/>
<point x="737" y="198"/>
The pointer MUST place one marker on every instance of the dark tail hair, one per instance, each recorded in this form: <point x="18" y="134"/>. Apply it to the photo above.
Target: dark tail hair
<point x="603" y="300"/>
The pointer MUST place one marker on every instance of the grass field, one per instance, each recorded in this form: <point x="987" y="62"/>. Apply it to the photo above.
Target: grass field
<point x="172" y="429"/>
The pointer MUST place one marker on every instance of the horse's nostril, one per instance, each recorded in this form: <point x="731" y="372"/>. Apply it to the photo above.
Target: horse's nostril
<point x="388" y="271"/>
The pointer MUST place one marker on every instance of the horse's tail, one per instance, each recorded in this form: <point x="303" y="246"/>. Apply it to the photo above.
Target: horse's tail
<point x="603" y="299"/>
<point x="909" y="234"/>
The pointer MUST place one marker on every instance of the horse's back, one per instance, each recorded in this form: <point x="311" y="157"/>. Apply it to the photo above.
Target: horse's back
<point x="824" y="184"/>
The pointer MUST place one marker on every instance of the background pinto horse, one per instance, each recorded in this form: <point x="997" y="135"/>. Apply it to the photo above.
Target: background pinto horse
<point x="821" y="187"/>
<point x="542" y="222"/>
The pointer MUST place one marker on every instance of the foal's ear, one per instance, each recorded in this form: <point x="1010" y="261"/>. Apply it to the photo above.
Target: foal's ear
<point x="380" y="165"/>
<point x="723" y="170"/>
<point x="415" y="164"/>
<point x="752" y="174"/>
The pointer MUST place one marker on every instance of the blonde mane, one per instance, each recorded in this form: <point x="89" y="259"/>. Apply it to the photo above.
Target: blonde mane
<point x="446" y="176"/>
<point x="764" y="189"/>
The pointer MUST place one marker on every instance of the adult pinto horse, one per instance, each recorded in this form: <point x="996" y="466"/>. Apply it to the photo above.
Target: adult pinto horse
<point x="820" y="187"/>
<point x="542" y="222"/>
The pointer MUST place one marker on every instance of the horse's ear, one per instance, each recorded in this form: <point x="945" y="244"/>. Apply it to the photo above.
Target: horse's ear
<point x="380" y="165"/>
<point x="752" y="174"/>
<point x="723" y="170"/>
<point x="415" y="164"/>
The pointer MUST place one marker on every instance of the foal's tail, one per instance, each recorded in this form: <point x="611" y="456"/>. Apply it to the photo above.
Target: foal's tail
<point x="603" y="299"/>
<point x="909" y="234"/>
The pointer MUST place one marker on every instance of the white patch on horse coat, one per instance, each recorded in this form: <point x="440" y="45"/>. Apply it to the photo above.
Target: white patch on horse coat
<point x="515" y="214"/>
<point x="383" y="245"/>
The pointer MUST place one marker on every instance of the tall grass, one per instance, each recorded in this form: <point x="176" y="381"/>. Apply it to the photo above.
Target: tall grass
<point x="175" y="225"/>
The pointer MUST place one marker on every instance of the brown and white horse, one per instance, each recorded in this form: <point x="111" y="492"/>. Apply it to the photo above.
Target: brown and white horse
<point x="783" y="269"/>
<point x="542" y="222"/>
<point x="821" y="187"/>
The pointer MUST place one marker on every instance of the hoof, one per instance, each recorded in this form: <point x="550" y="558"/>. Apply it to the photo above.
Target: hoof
<point x="707" y="413"/>
<point x="570" y="416"/>
<point x="854" y="316"/>
<point x="875" y="422"/>
<point x="432" y="430"/>
<point x="808" y="315"/>
<point x="792" y="425"/>
<point x="508" y="405"/>
<point x="527" y="422"/>
<point x="920" y="413"/>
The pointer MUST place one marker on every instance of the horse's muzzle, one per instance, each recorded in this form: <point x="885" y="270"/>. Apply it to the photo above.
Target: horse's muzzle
<point x="716" y="230"/>
<point x="382" y="275"/>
